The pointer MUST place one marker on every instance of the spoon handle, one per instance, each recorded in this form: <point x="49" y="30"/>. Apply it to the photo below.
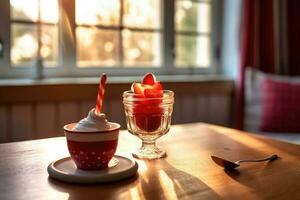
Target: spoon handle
<point x="270" y="158"/>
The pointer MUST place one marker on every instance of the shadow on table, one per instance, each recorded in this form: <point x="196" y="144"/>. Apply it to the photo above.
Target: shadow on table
<point x="258" y="179"/>
<point x="160" y="181"/>
<point x="172" y="183"/>
<point x="247" y="176"/>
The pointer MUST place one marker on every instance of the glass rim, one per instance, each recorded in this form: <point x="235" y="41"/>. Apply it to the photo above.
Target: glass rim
<point x="129" y="93"/>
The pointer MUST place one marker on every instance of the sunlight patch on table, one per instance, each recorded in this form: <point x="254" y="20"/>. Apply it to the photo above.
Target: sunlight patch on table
<point x="167" y="185"/>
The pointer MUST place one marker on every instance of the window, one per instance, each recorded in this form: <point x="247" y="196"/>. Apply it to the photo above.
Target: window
<point x="122" y="37"/>
<point x="118" y="33"/>
<point x="34" y="32"/>
<point x="193" y="27"/>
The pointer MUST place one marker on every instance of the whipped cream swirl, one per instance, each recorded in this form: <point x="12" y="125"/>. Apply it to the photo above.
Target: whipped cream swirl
<point x="93" y="122"/>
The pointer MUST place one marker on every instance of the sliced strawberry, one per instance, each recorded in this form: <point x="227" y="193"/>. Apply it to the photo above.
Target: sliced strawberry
<point x="149" y="79"/>
<point x="153" y="93"/>
<point x="137" y="88"/>
<point x="150" y="93"/>
<point x="157" y="86"/>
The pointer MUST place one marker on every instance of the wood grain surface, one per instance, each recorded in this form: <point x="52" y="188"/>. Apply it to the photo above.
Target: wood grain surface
<point x="186" y="173"/>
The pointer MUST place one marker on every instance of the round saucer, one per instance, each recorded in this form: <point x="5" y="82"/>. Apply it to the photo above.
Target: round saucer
<point x="65" y="170"/>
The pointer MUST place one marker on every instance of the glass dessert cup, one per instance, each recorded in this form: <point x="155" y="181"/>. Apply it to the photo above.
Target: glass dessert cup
<point x="148" y="119"/>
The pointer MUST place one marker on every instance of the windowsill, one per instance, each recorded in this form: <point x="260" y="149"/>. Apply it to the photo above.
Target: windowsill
<point x="113" y="80"/>
<point x="82" y="89"/>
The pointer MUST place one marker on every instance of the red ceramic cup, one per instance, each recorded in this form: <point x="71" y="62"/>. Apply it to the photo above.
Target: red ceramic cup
<point x="92" y="150"/>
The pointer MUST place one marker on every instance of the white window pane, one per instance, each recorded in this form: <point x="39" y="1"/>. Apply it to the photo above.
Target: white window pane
<point x="98" y="12"/>
<point x="24" y="10"/>
<point x="192" y="51"/>
<point x="96" y="47"/>
<point x="49" y="49"/>
<point x="142" y="13"/>
<point x="29" y="10"/>
<point x="24" y="48"/>
<point x="24" y="44"/>
<point x="193" y="16"/>
<point x="141" y="48"/>
<point x="49" y="10"/>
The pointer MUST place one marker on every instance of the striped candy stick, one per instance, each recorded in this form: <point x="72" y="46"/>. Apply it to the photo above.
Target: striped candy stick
<point x="100" y="95"/>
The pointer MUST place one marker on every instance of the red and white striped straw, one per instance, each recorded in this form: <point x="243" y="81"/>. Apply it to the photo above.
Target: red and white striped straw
<point x="100" y="95"/>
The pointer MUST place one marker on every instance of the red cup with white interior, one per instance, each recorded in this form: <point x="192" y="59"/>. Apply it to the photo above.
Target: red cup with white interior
<point x="92" y="150"/>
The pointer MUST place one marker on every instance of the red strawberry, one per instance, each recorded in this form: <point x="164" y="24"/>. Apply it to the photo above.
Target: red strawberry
<point x="149" y="79"/>
<point x="152" y="93"/>
<point x="137" y="88"/>
<point x="158" y="86"/>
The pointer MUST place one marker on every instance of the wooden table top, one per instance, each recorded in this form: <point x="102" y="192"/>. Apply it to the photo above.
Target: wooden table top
<point x="187" y="173"/>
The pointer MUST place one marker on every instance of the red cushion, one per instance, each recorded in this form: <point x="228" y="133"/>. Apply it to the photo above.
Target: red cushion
<point x="281" y="106"/>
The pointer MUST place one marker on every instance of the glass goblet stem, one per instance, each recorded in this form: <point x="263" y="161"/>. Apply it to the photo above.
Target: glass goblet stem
<point x="149" y="150"/>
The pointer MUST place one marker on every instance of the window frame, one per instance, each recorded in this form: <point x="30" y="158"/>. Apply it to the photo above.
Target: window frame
<point x="67" y="67"/>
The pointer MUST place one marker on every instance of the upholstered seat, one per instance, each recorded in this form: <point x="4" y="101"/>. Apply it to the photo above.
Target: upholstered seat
<point x="254" y="105"/>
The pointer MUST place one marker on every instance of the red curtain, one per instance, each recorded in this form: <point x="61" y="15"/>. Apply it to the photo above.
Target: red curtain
<point x="293" y="36"/>
<point x="257" y="46"/>
<point x="258" y="43"/>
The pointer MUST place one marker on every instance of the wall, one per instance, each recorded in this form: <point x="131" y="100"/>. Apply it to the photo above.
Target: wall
<point x="230" y="51"/>
<point x="41" y="110"/>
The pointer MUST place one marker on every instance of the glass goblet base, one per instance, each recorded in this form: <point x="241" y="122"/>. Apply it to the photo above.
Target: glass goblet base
<point x="149" y="152"/>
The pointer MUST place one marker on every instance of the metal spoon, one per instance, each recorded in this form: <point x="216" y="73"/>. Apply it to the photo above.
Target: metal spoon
<point x="231" y="165"/>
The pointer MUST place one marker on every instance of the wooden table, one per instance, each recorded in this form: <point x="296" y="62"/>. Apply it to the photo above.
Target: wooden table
<point x="187" y="173"/>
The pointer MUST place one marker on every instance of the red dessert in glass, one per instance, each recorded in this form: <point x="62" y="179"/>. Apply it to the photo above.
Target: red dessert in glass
<point x="148" y="112"/>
